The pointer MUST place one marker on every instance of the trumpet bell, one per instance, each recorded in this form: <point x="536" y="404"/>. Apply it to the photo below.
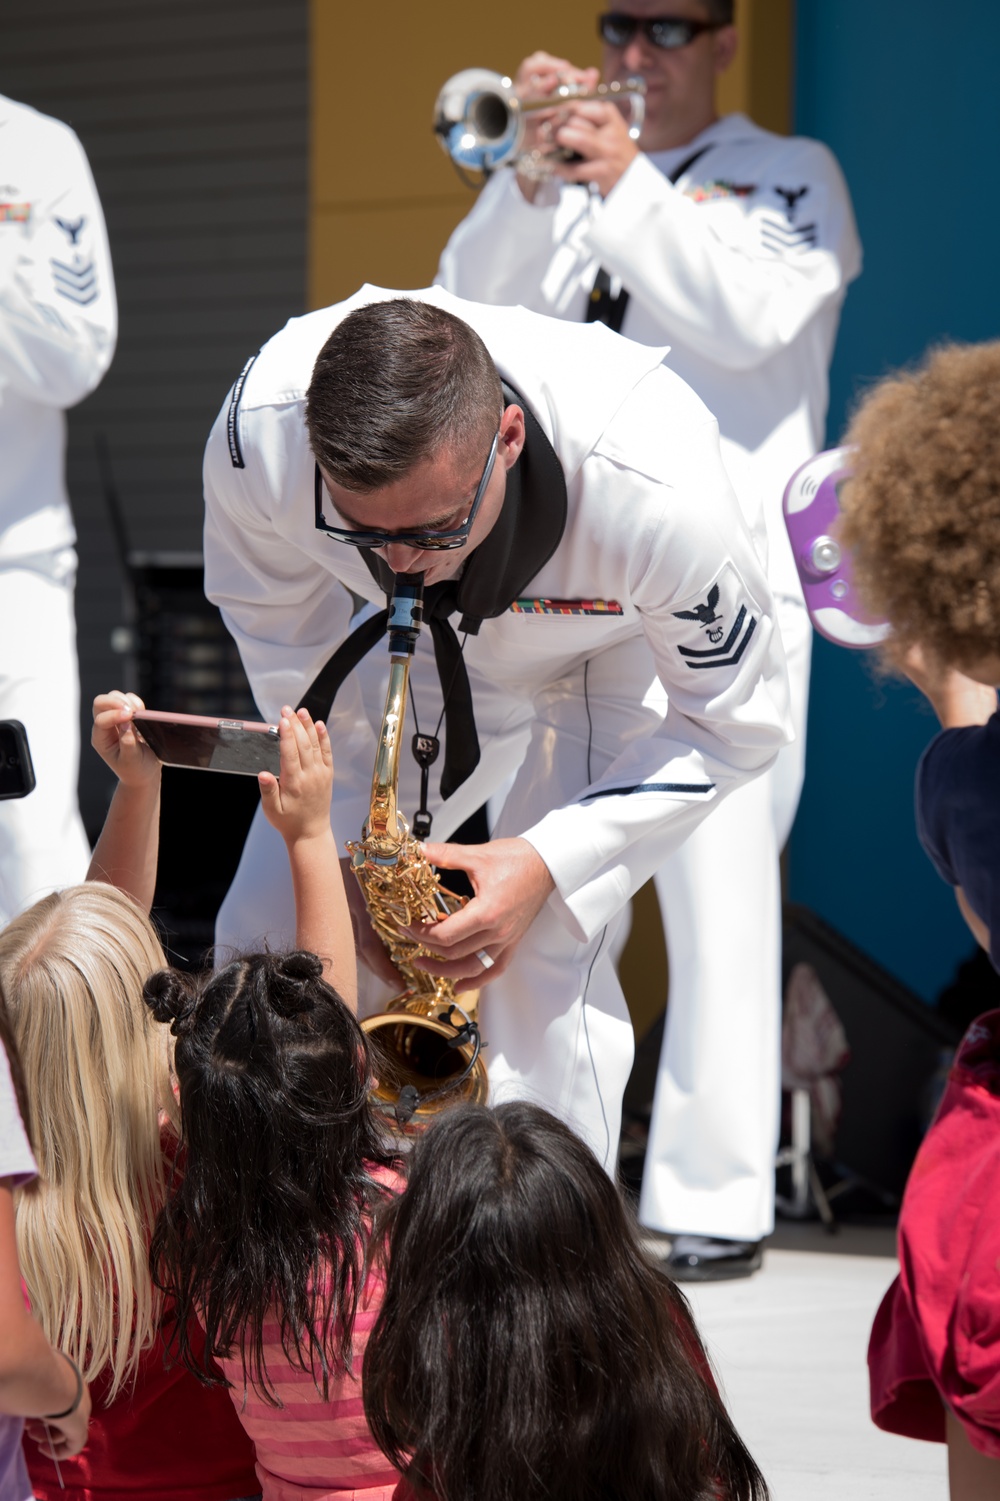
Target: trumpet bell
<point x="477" y="119"/>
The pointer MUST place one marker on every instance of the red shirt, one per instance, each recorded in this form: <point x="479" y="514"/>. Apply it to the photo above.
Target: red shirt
<point x="165" y="1438"/>
<point x="936" y="1338"/>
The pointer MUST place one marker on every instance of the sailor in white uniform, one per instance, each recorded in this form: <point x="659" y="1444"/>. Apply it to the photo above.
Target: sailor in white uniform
<point x="569" y="601"/>
<point x="735" y="247"/>
<point x="58" y="322"/>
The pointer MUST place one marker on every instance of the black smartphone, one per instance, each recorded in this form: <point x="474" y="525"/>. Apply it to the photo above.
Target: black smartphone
<point x="17" y="775"/>
<point x="206" y="744"/>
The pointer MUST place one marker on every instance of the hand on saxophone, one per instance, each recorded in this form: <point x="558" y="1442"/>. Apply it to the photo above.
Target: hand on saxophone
<point x="511" y="883"/>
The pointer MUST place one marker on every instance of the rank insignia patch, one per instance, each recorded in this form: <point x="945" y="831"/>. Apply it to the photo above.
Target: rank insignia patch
<point x="566" y="607"/>
<point x="719" y="624"/>
<point x="15" y="213"/>
<point x="779" y="237"/>
<point x="710" y="192"/>
<point x="76" y="282"/>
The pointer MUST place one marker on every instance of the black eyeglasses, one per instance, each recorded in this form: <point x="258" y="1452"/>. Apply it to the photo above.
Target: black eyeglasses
<point x="668" y="32"/>
<point x="425" y="541"/>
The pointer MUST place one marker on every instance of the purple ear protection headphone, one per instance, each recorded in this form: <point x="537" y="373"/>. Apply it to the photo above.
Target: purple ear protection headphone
<point x="812" y="506"/>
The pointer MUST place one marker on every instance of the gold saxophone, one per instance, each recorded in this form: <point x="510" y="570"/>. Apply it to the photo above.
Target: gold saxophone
<point x="427" y="1046"/>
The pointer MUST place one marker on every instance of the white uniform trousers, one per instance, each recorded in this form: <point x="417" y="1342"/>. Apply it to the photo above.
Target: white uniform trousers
<point x="556" y="1026"/>
<point x="43" y="846"/>
<point x="714" y="1129"/>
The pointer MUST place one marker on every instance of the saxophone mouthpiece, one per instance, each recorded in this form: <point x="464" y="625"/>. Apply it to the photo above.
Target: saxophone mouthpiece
<point x="406" y="613"/>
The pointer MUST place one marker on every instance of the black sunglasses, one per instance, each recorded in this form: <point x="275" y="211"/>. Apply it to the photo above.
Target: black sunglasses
<point x="425" y="541"/>
<point x="668" y="32"/>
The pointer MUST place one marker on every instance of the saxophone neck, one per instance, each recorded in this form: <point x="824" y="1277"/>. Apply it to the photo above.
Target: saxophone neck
<point x="386" y="827"/>
<point x="385" y="824"/>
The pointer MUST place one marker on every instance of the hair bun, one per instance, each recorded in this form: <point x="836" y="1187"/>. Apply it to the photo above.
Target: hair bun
<point x="168" y="994"/>
<point x="292" y="979"/>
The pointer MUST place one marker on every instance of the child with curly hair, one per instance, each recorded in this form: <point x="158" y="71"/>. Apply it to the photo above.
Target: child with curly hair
<point x="922" y="522"/>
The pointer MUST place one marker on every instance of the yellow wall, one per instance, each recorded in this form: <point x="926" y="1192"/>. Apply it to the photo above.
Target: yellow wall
<point x="383" y="196"/>
<point x="759" y="83"/>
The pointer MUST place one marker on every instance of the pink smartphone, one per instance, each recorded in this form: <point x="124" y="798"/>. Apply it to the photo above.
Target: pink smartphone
<point x="205" y="744"/>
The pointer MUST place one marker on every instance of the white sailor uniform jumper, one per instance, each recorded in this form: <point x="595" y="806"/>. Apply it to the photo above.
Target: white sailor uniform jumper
<point x="58" y="322"/>
<point x="652" y="562"/>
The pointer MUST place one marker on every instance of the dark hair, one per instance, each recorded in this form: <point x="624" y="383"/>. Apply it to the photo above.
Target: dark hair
<point x="271" y="1208"/>
<point x="525" y="1347"/>
<point x="722" y="12"/>
<point x="395" y="383"/>
<point x="9" y="1046"/>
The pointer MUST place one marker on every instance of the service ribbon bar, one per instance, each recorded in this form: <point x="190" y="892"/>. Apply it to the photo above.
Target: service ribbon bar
<point x="566" y="607"/>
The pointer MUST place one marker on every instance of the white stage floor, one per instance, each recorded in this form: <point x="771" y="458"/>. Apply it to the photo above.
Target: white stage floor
<point x="788" y="1346"/>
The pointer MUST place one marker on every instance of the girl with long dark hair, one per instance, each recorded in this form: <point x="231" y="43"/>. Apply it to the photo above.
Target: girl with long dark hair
<point x="265" y="1238"/>
<point x="526" y="1350"/>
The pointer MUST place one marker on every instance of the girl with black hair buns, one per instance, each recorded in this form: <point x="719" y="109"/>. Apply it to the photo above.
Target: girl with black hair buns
<point x="526" y="1350"/>
<point x="265" y="1236"/>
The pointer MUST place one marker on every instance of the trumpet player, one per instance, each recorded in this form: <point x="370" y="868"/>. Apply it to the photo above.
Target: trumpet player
<point x="577" y="534"/>
<point x="735" y="247"/>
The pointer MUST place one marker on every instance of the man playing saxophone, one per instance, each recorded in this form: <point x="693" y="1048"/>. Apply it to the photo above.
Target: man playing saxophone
<point x="563" y="496"/>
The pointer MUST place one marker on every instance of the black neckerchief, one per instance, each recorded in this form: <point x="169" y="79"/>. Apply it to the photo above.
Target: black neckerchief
<point x="522" y="540"/>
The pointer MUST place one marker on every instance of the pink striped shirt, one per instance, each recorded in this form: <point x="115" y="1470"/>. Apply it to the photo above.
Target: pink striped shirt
<point x="308" y="1449"/>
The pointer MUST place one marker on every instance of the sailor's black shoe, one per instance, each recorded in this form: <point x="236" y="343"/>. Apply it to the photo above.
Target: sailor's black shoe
<point x="705" y="1258"/>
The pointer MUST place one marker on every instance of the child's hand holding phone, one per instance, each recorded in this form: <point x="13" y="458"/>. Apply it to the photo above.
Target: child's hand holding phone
<point x="297" y="803"/>
<point x="116" y="740"/>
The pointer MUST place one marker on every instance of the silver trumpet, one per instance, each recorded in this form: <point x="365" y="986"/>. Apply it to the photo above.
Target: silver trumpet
<point x="480" y="120"/>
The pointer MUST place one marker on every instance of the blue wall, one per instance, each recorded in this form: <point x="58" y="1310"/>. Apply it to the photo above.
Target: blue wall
<point x="906" y="94"/>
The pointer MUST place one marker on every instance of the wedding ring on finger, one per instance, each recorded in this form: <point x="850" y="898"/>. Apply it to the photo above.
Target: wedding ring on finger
<point x="484" y="959"/>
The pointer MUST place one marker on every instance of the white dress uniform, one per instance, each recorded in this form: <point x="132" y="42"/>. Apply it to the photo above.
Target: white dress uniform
<point x="58" y="322"/>
<point x="741" y="268"/>
<point x="606" y="783"/>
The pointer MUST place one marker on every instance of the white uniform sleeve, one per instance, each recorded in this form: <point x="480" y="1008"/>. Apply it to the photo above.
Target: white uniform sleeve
<point x="741" y="287"/>
<point x="501" y="250"/>
<point x="708" y="616"/>
<point x="286" y="613"/>
<point x="58" y="314"/>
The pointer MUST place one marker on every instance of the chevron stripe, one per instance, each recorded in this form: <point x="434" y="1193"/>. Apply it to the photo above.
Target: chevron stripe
<point x="77" y="297"/>
<point x="76" y="283"/>
<point x="787" y="237"/>
<point x="71" y="270"/>
<point x="737" y="654"/>
<point x="718" y="651"/>
<point x="796" y="237"/>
